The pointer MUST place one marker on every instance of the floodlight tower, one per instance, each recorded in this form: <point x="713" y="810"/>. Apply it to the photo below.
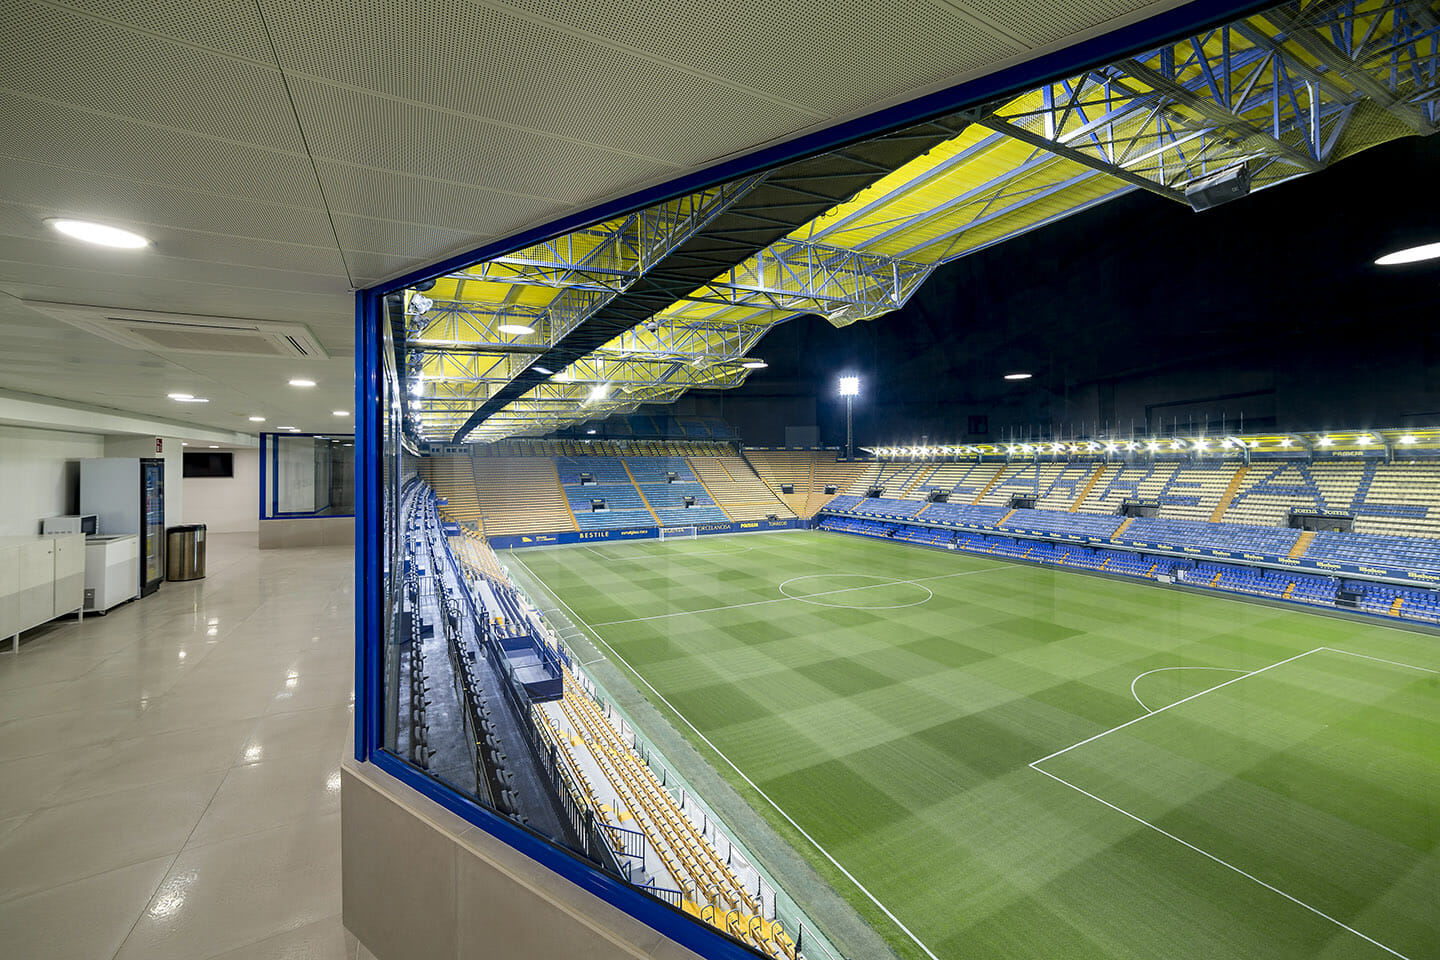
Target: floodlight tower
<point x="849" y="389"/>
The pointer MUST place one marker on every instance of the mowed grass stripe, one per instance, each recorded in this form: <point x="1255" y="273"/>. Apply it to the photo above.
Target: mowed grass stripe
<point x="900" y="739"/>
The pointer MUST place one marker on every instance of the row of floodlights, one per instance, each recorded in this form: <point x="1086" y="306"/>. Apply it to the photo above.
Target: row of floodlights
<point x="1152" y="446"/>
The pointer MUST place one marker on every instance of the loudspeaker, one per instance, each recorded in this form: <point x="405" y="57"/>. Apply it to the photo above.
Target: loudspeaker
<point x="1232" y="183"/>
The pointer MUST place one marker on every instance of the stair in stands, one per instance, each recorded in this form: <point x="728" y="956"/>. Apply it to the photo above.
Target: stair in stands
<point x="1302" y="543"/>
<point x="1229" y="494"/>
<point x="988" y="487"/>
<point x="1396" y="605"/>
<point x="1090" y="485"/>
<point x="642" y="493"/>
<point x="1121" y="529"/>
<point x="1289" y="589"/>
<point x="1001" y="521"/>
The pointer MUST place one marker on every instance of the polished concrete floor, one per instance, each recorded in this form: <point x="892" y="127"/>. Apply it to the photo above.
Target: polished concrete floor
<point x="169" y="773"/>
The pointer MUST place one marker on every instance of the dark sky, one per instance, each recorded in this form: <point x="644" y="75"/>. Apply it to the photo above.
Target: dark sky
<point x="1142" y="309"/>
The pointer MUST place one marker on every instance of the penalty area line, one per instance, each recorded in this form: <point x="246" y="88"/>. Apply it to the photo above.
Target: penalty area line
<point x="1224" y="863"/>
<point x="753" y="785"/>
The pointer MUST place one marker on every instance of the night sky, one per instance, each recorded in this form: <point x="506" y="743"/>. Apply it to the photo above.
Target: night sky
<point x="1142" y="309"/>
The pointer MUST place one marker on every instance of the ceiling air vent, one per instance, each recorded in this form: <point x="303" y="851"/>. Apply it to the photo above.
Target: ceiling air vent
<point x="186" y="333"/>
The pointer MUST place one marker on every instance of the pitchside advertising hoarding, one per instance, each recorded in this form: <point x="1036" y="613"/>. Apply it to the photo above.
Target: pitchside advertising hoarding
<point x="1324" y="567"/>
<point x="637" y="533"/>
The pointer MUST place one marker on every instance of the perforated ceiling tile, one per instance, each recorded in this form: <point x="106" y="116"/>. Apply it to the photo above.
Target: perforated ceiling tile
<point x="827" y="55"/>
<point x="474" y="61"/>
<point x="56" y="191"/>
<point x="417" y="243"/>
<point x="370" y="131"/>
<point x="1042" y="23"/>
<point x="318" y="312"/>
<point x="69" y="137"/>
<point x="455" y="206"/>
<point x="100" y="67"/>
<point x="219" y="24"/>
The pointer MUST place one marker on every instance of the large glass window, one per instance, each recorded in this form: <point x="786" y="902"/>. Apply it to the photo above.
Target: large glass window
<point x="307" y="475"/>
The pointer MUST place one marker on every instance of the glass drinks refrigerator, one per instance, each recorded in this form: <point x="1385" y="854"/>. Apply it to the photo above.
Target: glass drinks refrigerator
<point x="127" y="495"/>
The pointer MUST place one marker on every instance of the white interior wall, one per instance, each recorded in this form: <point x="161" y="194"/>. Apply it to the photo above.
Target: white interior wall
<point x="171" y="453"/>
<point x="227" y="504"/>
<point x="40" y="475"/>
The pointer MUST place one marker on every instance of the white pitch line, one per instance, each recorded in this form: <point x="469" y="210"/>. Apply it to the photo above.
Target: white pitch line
<point x="1210" y="856"/>
<point x="791" y="820"/>
<point x="1393" y="663"/>
<point x="1162" y="670"/>
<point x="826" y="593"/>
<point x="1177" y="703"/>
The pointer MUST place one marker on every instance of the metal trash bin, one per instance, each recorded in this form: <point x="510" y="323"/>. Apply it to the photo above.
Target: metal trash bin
<point x="185" y="552"/>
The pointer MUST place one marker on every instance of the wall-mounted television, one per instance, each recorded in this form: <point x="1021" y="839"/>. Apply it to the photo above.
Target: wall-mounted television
<point x="209" y="463"/>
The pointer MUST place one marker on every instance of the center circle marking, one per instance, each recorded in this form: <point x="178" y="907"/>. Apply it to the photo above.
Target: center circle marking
<point x="821" y="598"/>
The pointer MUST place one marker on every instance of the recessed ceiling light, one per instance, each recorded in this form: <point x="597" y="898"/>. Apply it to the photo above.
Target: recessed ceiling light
<point x="99" y="233"/>
<point x="1018" y="376"/>
<point x="257" y="419"/>
<point x="181" y="396"/>
<point x="754" y="364"/>
<point x="184" y="444"/>
<point x="214" y="446"/>
<point x="302" y="383"/>
<point x="515" y="328"/>
<point x="341" y="413"/>
<point x="191" y="400"/>
<point x="287" y="428"/>
<point x="1426" y="251"/>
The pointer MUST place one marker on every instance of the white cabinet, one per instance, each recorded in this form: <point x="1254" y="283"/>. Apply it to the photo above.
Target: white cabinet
<point x="69" y="574"/>
<point x="112" y="571"/>
<point x="40" y="578"/>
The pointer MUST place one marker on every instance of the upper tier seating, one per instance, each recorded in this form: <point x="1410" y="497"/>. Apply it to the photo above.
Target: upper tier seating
<point x="736" y="488"/>
<point x="519" y="495"/>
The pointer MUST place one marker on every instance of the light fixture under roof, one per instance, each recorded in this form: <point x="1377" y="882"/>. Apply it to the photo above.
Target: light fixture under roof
<point x="191" y="400"/>
<point x="287" y="428"/>
<point x="754" y="364"/>
<point x="214" y="446"/>
<point x="257" y="419"/>
<point x="302" y="383"/>
<point x="341" y="413"/>
<point x="518" y="329"/>
<point x="539" y="369"/>
<point x="1018" y="376"/>
<point x="181" y="396"/>
<point x="1326" y="441"/>
<point x="1408" y="438"/>
<point x="599" y="391"/>
<point x="99" y="233"/>
<point x="849" y="386"/>
<point x="590" y="432"/>
<point x="1426" y="251"/>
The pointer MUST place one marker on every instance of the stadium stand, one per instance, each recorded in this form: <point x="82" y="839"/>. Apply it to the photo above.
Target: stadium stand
<point x="809" y="471"/>
<point x="1195" y="489"/>
<point x="736" y="488"/>
<point x="518" y="495"/>
<point x="1415" y="553"/>
<point x="452" y="480"/>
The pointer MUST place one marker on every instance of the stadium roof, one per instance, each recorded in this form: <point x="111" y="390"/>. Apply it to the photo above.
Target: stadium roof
<point x="625" y="312"/>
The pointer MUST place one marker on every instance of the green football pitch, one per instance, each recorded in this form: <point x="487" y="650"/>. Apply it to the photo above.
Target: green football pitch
<point x="992" y="759"/>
